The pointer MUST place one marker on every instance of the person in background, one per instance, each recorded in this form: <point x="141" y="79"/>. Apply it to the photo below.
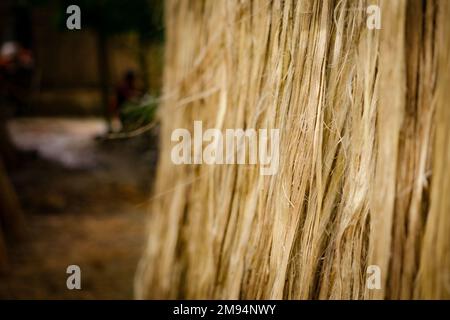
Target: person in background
<point x="16" y="68"/>
<point x="126" y="91"/>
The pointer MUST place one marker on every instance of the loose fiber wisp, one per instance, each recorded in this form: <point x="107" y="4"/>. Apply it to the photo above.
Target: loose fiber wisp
<point x="364" y="152"/>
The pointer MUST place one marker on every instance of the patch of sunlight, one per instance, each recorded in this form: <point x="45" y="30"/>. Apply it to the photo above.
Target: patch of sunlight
<point x="70" y="142"/>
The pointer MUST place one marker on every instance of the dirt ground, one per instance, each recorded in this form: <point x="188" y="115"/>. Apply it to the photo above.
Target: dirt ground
<point x="85" y="201"/>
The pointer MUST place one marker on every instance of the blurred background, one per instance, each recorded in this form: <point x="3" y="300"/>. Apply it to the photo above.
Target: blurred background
<point x="78" y="143"/>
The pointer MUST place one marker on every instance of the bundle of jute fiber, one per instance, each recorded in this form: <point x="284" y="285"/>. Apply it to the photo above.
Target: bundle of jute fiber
<point x="364" y="151"/>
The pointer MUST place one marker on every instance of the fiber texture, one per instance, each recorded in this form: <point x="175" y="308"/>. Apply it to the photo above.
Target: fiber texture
<point x="364" y="152"/>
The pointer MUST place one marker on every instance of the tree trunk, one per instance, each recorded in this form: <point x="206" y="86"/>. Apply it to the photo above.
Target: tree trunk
<point x="3" y="253"/>
<point x="7" y="150"/>
<point x="143" y="63"/>
<point x="104" y="74"/>
<point x="12" y="218"/>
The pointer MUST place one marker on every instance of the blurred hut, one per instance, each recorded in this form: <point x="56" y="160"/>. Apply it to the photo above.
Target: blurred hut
<point x="67" y="77"/>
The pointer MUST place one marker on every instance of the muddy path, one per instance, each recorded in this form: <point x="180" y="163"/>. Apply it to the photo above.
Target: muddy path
<point x="85" y="201"/>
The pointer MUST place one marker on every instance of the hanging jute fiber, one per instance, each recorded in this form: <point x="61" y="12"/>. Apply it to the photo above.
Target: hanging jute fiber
<point x="364" y="152"/>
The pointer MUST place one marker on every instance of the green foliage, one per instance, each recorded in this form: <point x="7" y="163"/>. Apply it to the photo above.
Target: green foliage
<point x="135" y="115"/>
